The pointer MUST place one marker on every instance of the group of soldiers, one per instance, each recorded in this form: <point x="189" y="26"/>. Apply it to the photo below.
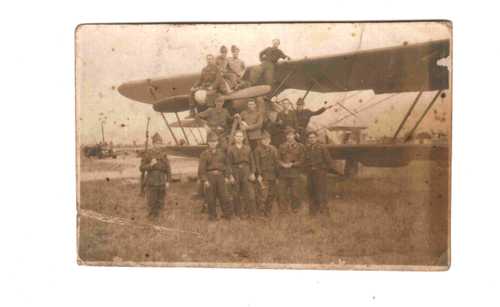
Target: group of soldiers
<point x="246" y="174"/>
<point x="255" y="157"/>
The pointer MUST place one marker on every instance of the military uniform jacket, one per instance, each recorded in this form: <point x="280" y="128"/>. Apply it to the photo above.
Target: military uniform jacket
<point x="216" y="118"/>
<point x="266" y="161"/>
<point x="294" y="153"/>
<point x="213" y="161"/>
<point x="254" y="120"/>
<point x="317" y="157"/>
<point x="209" y="75"/>
<point x="287" y="119"/>
<point x="236" y="66"/>
<point x="272" y="54"/>
<point x="158" y="174"/>
<point x="238" y="157"/>
<point x="304" y="116"/>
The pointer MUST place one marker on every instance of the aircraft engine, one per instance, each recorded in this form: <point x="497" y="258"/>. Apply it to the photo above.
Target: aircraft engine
<point x="200" y="96"/>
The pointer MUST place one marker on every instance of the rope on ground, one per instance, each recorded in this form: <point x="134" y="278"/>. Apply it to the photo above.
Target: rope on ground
<point x="121" y="221"/>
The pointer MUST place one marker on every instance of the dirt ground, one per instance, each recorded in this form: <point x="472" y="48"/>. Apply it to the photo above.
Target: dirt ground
<point x="394" y="217"/>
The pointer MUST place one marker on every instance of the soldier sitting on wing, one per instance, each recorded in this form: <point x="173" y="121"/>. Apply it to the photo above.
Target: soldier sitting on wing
<point x="235" y="69"/>
<point x="221" y="60"/>
<point x="210" y="84"/>
<point x="268" y="57"/>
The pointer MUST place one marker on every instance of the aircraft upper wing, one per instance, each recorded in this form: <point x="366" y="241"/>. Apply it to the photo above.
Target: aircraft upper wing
<point x="405" y="68"/>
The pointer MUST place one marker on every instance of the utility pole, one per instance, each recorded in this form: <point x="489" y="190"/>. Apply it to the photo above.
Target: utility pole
<point x="102" y="131"/>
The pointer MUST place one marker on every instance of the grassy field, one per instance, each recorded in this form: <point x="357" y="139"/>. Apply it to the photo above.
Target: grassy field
<point x="382" y="217"/>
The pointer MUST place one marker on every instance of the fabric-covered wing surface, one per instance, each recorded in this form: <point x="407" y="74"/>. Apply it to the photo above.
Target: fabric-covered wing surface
<point x="153" y="90"/>
<point x="406" y="68"/>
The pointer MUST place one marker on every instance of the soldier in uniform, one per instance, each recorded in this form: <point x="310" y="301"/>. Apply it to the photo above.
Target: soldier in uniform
<point x="304" y="116"/>
<point x="268" y="57"/>
<point x="273" y="128"/>
<point x="211" y="80"/>
<point x="266" y="160"/>
<point x="214" y="172"/>
<point x="157" y="177"/>
<point x="290" y="158"/>
<point x="235" y="68"/>
<point x="145" y="160"/>
<point x="221" y="60"/>
<point x="218" y="121"/>
<point x="251" y="123"/>
<point x="287" y="117"/>
<point x="243" y="175"/>
<point x="317" y="162"/>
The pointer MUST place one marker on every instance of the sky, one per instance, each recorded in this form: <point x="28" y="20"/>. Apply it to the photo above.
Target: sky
<point x="109" y="55"/>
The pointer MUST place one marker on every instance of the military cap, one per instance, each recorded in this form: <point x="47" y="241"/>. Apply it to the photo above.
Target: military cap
<point x="289" y="129"/>
<point x="234" y="48"/>
<point x="212" y="137"/>
<point x="300" y="102"/>
<point x="223" y="49"/>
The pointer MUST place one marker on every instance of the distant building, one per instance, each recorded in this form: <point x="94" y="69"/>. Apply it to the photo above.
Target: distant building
<point x="423" y="138"/>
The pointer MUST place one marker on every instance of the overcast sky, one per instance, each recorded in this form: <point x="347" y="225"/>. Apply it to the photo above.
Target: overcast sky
<point x="109" y="55"/>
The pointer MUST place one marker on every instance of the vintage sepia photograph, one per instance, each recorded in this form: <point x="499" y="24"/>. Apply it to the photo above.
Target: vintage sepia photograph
<point x="322" y="145"/>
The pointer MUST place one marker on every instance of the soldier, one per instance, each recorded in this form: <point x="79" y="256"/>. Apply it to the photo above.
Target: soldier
<point x="251" y="123"/>
<point x="157" y="177"/>
<point x="273" y="128"/>
<point x="211" y="78"/>
<point x="218" y="121"/>
<point x="290" y="158"/>
<point x="243" y="175"/>
<point x="268" y="57"/>
<point x="287" y="117"/>
<point x="235" y="67"/>
<point x="304" y="116"/>
<point x="221" y="60"/>
<point x="266" y="160"/>
<point x="214" y="173"/>
<point x="145" y="160"/>
<point x="317" y="161"/>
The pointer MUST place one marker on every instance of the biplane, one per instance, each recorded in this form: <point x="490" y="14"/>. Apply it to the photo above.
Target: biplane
<point x="397" y="69"/>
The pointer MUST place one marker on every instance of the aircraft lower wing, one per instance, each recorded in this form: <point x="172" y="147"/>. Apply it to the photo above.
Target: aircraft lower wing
<point x="187" y="123"/>
<point x="389" y="155"/>
<point x="372" y="155"/>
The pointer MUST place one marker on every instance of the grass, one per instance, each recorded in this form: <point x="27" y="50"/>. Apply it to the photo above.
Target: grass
<point x="384" y="217"/>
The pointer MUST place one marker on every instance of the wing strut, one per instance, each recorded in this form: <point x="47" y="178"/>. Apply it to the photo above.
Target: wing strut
<point x="201" y="136"/>
<point x="349" y="111"/>
<point x="169" y="129"/>
<point x="409" y="135"/>
<point x="277" y="90"/>
<point x="307" y="92"/>
<point x="407" y="115"/>
<point x="182" y="128"/>
<point x="194" y="136"/>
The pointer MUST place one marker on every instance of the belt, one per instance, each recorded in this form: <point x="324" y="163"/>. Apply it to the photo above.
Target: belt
<point x="241" y="164"/>
<point x="214" y="171"/>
